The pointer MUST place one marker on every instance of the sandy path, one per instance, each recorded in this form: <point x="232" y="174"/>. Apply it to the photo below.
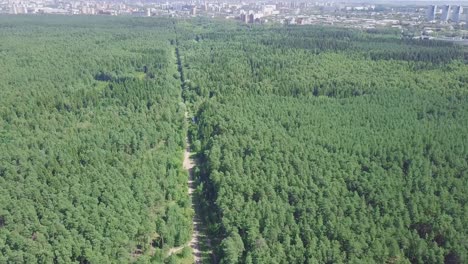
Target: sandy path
<point x="189" y="164"/>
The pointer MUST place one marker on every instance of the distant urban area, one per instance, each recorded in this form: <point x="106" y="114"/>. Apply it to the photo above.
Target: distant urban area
<point x="414" y="20"/>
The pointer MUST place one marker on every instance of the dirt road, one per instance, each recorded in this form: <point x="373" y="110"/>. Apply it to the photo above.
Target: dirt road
<point x="189" y="164"/>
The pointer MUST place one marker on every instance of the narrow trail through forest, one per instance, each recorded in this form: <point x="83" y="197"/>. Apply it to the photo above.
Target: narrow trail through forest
<point x="199" y="242"/>
<point x="198" y="234"/>
<point x="189" y="164"/>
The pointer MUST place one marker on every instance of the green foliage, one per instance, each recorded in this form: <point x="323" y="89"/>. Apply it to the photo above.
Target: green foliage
<point x="91" y="134"/>
<point x="316" y="144"/>
<point x="324" y="145"/>
<point x="232" y="248"/>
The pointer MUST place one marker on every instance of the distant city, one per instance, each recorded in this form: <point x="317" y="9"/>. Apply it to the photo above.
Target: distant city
<point x="447" y="13"/>
<point x="414" y="19"/>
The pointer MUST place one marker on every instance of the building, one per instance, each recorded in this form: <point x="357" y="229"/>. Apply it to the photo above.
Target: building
<point x="457" y="14"/>
<point x="244" y="17"/>
<point x="268" y="9"/>
<point x="14" y="10"/>
<point x="431" y="13"/>
<point x="446" y="9"/>
<point x="251" y="18"/>
<point x="87" y="10"/>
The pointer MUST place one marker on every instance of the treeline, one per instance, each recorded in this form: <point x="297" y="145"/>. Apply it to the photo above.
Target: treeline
<point x="375" y="46"/>
<point x="92" y="134"/>
<point x="333" y="156"/>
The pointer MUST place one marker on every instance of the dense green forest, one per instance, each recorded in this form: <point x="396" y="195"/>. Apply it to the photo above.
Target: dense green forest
<point x="314" y="144"/>
<point x="328" y="145"/>
<point x="91" y="139"/>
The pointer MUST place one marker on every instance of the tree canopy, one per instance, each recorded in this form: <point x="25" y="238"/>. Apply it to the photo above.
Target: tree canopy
<point x="315" y="144"/>
<point x="91" y="133"/>
<point x="328" y="145"/>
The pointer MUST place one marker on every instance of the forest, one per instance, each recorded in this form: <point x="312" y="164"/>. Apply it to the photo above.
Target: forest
<point x="328" y="145"/>
<point x="91" y="139"/>
<point x="314" y="144"/>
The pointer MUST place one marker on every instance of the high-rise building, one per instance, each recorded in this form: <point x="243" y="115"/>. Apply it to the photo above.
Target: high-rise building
<point x="457" y="14"/>
<point x="244" y="17"/>
<point x="14" y="10"/>
<point x="251" y="18"/>
<point x="431" y="13"/>
<point x="445" y="13"/>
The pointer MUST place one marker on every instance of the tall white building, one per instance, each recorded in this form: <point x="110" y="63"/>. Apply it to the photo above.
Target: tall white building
<point x="446" y="9"/>
<point x="457" y="14"/>
<point x="431" y="13"/>
<point x="14" y="10"/>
